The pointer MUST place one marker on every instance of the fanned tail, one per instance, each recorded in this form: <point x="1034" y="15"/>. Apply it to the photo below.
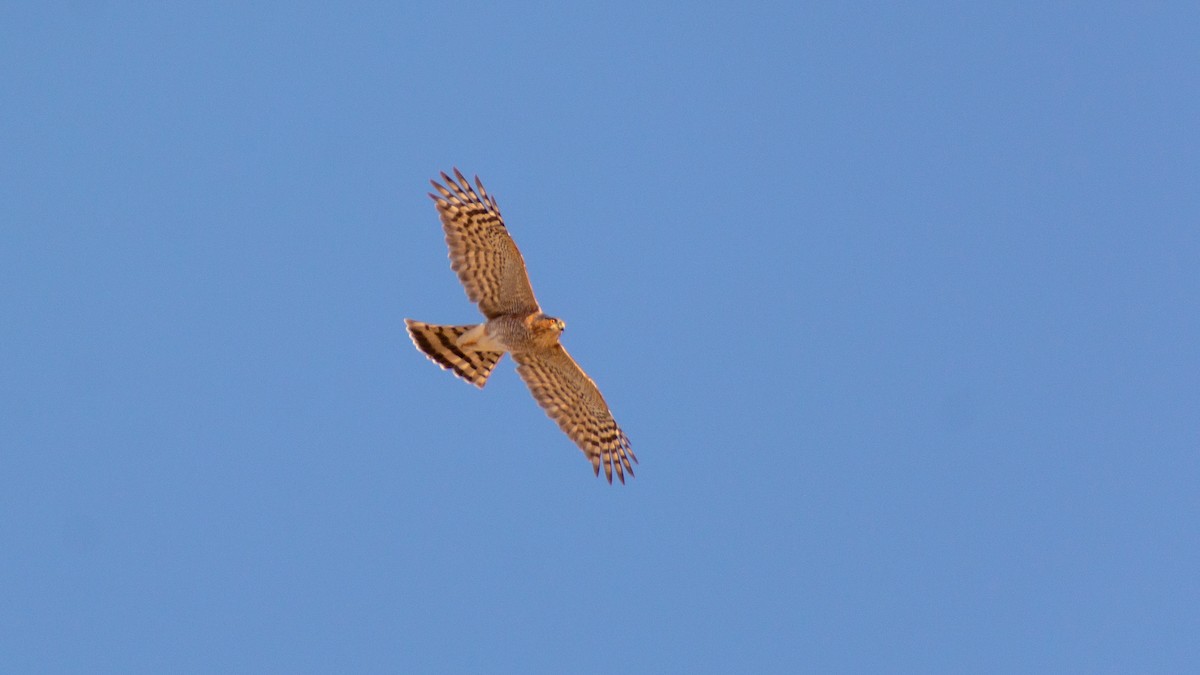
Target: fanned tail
<point x="440" y="344"/>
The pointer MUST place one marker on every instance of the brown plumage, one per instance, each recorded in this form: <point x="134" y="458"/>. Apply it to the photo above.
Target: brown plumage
<point x="492" y="271"/>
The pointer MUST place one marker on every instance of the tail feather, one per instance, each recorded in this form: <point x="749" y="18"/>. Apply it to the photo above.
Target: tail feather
<point x="440" y="344"/>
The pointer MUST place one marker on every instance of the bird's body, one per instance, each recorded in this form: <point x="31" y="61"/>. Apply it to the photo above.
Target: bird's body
<point x="492" y="271"/>
<point x="514" y="333"/>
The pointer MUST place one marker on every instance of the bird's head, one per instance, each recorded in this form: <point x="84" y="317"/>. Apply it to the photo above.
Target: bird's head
<point x="550" y="324"/>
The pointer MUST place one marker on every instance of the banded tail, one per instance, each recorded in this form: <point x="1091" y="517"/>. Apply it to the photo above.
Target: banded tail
<point x="440" y="344"/>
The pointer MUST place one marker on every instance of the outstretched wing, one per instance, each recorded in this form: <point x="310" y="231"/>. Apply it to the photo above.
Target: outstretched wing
<point x="482" y="253"/>
<point x="572" y="399"/>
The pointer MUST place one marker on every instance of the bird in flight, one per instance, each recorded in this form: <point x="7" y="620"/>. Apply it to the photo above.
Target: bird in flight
<point x="493" y="273"/>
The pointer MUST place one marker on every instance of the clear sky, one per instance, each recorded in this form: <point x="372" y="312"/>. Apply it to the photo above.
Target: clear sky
<point x="899" y="307"/>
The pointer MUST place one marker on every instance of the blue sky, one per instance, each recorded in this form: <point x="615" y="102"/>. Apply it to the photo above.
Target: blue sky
<point x="897" y="305"/>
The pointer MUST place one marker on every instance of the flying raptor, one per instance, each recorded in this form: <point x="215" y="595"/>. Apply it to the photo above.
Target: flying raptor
<point x="493" y="273"/>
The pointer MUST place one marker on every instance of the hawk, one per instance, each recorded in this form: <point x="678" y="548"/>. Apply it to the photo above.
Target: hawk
<point x="493" y="273"/>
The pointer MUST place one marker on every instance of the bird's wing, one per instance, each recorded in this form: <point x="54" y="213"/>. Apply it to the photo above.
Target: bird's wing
<point x="571" y="398"/>
<point x="483" y="254"/>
